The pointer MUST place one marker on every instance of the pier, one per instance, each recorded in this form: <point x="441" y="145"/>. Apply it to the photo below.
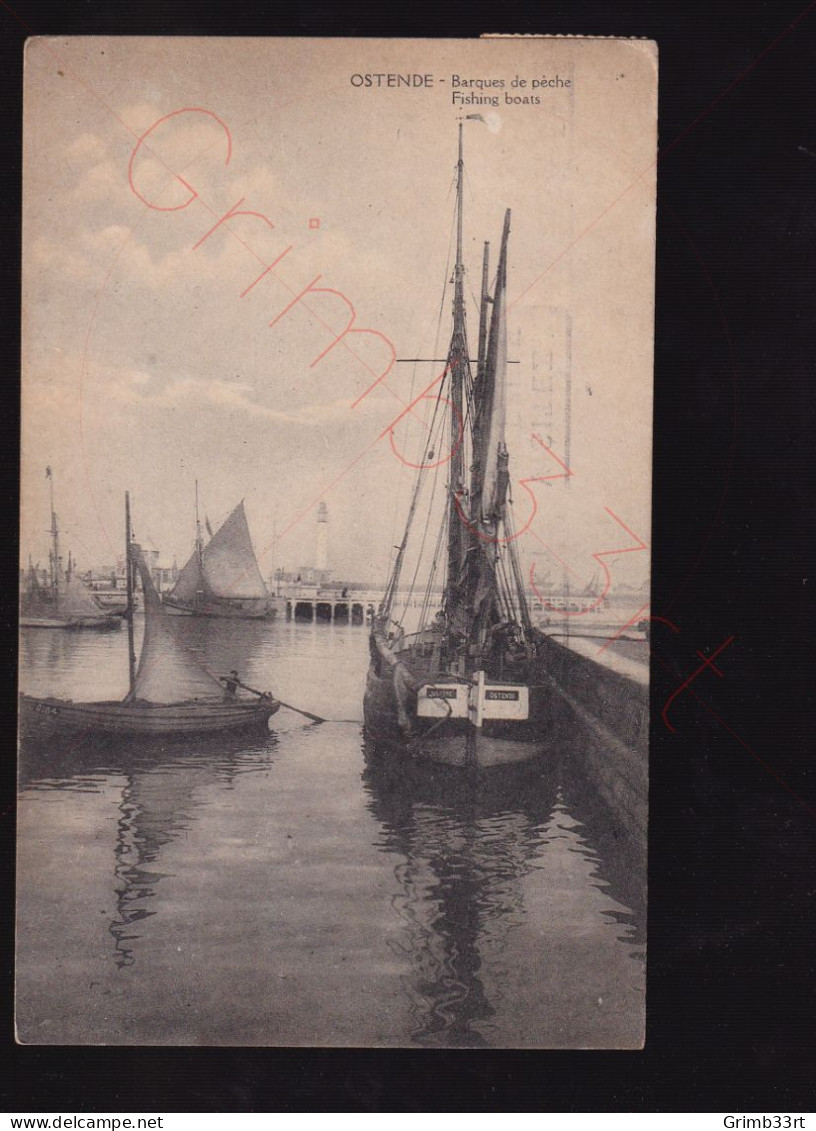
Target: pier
<point x="329" y="609"/>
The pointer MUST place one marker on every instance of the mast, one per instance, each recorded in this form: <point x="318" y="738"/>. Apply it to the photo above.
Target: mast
<point x="199" y="539"/>
<point x="129" y="580"/>
<point x="55" y="554"/>
<point x="483" y="315"/>
<point x="457" y="362"/>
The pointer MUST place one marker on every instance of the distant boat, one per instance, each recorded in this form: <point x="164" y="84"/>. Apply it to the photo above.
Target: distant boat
<point x="63" y="601"/>
<point x="222" y="578"/>
<point x="112" y="600"/>
<point x="171" y="694"/>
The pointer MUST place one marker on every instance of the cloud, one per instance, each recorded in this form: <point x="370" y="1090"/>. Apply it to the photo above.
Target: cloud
<point x="138" y="388"/>
<point x="86" y="146"/>
<point x="100" y="182"/>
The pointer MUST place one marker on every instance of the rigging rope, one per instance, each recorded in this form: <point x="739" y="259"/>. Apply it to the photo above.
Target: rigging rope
<point x="427" y="523"/>
<point x="426" y="602"/>
<point x="445" y="284"/>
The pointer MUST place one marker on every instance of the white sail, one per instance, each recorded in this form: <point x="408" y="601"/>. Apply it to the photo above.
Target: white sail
<point x="167" y="672"/>
<point x="189" y="582"/>
<point x="230" y="565"/>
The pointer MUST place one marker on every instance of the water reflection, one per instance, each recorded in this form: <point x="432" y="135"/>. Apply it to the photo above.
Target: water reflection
<point x="469" y="852"/>
<point x="466" y="845"/>
<point x="161" y="786"/>
<point x="166" y="898"/>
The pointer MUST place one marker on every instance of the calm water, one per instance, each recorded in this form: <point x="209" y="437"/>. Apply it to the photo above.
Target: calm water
<point x="300" y="891"/>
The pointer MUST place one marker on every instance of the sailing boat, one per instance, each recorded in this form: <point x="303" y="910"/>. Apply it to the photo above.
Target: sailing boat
<point x="463" y="689"/>
<point x="171" y="694"/>
<point x="65" y="601"/>
<point x="221" y="578"/>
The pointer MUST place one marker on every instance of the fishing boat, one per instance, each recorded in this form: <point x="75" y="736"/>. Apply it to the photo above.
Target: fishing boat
<point x="463" y="689"/>
<point x="171" y="694"/>
<point x="476" y="685"/>
<point x="63" y="600"/>
<point x="221" y="577"/>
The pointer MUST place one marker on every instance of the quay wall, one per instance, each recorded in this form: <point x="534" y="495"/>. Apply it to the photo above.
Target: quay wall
<point x="600" y="718"/>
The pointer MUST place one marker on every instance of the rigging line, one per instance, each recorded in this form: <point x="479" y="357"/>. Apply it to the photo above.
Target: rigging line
<point x="393" y="582"/>
<point x="437" y="332"/>
<point x="445" y="285"/>
<point x="432" y="575"/>
<point x="419" y="479"/>
<point x="398" y="506"/>
<point x="424" y="536"/>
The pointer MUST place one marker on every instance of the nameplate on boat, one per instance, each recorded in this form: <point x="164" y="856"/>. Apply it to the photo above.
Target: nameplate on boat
<point x="504" y="702"/>
<point x="448" y="701"/>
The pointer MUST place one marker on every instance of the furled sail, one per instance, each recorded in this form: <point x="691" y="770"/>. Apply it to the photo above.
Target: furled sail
<point x="230" y="565"/>
<point x="493" y="396"/>
<point x="167" y="673"/>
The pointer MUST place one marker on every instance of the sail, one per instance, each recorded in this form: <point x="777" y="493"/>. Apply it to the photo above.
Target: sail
<point x="493" y="395"/>
<point x="190" y="581"/>
<point x="167" y="672"/>
<point x="230" y="565"/>
<point x="75" y="599"/>
<point x="34" y="597"/>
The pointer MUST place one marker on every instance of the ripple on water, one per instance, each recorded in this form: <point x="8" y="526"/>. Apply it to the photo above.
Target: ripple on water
<point x="301" y="889"/>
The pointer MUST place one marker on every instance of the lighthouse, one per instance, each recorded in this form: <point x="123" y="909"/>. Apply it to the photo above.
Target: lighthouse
<point x="322" y="550"/>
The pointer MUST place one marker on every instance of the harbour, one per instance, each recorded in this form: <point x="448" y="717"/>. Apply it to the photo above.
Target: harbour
<point x="363" y="760"/>
<point x="291" y="889"/>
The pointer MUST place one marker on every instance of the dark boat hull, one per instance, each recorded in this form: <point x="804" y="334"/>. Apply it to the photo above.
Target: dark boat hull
<point x="597" y="717"/>
<point x="451" y="742"/>
<point x="49" y="718"/>
<point x="106" y="623"/>
<point x="229" y="608"/>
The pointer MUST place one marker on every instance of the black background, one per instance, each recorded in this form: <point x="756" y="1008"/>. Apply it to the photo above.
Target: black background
<point x="733" y="809"/>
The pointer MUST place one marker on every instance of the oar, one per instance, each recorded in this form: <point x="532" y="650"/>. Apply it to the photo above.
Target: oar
<point x="297" y="710"/>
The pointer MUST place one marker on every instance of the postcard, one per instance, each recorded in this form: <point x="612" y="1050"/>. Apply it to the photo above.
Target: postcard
<point x="335" y="541"/>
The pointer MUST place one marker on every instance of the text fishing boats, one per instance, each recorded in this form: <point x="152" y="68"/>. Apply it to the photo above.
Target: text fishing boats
<point x="171" y="694"/>
<point x="222" y="578"/>
<point x="60" y="599"/>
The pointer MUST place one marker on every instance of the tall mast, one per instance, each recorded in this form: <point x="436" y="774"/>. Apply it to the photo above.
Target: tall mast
<point x="55" y="554"/>
<point x="457" y="363"/>
<point x="199" y="539"/>
<point x="483" y="314"/>
<point x="129" y="581"/>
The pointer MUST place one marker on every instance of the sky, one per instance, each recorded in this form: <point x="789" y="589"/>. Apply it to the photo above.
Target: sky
<point x="164" y="344"/>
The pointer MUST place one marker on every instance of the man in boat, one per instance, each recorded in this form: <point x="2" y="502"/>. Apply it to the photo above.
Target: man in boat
<point x="231" y="683"/>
